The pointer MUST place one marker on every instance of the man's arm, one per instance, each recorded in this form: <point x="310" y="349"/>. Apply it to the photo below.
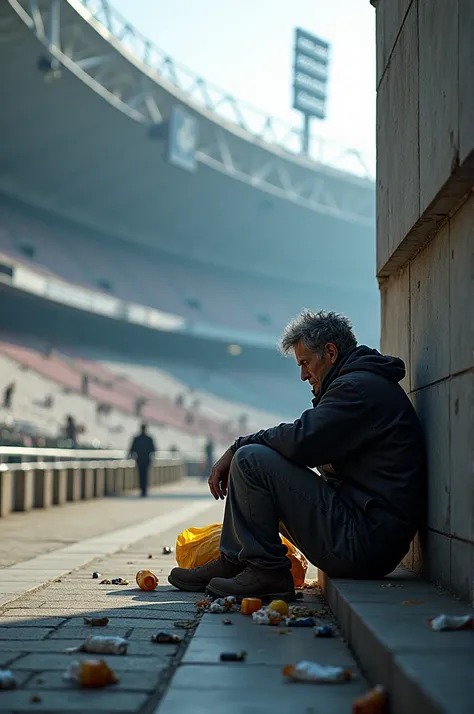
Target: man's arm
<point x="133" y="449"/>
<point x="338" y="425"/>
<point x="152" y="447"/>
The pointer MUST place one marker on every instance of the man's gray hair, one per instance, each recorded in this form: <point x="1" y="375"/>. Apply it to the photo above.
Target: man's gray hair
<point x="317" y="329"/>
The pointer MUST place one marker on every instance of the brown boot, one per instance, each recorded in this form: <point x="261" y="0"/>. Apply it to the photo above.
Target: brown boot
<point x="197" y="579"/>
<point x="264" y="583"/>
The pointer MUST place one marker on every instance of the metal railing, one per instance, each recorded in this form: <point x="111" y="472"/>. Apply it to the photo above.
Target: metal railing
<point x="217" y="100"/>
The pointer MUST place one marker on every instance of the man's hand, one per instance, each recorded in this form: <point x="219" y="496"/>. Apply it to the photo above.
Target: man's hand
<point x="219" y="477"/>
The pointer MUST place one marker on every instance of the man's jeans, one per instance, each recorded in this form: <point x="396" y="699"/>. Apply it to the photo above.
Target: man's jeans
<point x="142" y="467"/>
<point x="268" y="494"/>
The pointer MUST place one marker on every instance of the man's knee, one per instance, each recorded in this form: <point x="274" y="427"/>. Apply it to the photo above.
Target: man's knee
<point x="249" y="457"/>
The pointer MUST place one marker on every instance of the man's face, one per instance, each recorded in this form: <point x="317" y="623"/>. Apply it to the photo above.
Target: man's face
<point x="313" y="367"/>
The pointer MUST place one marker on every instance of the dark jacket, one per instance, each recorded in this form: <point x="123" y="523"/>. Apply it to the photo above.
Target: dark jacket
<point x="364" y="425"/>
<point x="142" y="448"/>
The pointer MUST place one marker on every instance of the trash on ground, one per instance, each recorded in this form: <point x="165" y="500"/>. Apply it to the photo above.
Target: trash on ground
<point x="227" y="622"/>
<point x="96" y="574"/>
<point x="146" y="580"/>
<point x="412" y="602"/>
<point x="316" y="673"/>
<point x="313" y="585"/>
<point x="249" y="605"/>
<point x="323" y="631"/>
<point x="221" y="605"/>
<point x="234" y="656"/>
<point x="167" y="549"/>
<point x="185" y="624"/>
<point x="100" y="644"/>
<point x="301" y="622"/>
<point x="105" y="582"/>
<point x="118" y="581"/>
<point x="304" y="611"/>
<point x="96" y="621"/>
<point x="451" y="622"/>
<point x="7" y="679"/>
<point x="279" y="606"/>
<point x="35" y="699"/>
<point x="203" y="604"/>
<point x="391" y="585"/>
<point x="150" y="556"/>
<point x="282" y="632"/>
<point x="265" y="616"/>
<point x="299" y="595"/>
<point x="92" y="673"/>
<point x="166" y="638"/>
<point x="373" y="702"/>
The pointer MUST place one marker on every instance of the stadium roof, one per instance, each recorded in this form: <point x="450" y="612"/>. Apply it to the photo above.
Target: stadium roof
<point x="79" y="145"/>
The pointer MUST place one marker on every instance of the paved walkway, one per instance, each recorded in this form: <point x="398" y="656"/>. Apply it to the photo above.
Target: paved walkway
<point x="36" y="627"/>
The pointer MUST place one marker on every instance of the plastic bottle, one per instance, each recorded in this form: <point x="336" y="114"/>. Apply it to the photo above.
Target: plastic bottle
<point x="146" y="580"/>
<point x="250" y="605"/>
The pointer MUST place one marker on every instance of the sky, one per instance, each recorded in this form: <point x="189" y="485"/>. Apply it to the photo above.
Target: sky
<point x="246" y="47"/>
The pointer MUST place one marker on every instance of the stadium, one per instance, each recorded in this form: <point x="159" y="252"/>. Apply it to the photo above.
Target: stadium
<point x="155" y="238"/>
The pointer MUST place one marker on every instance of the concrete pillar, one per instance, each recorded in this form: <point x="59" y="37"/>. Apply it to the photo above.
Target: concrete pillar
<point x="5" y="493"/>
<point x="43" y="488"/>
<point x="118" y="479"/>
<point x="99" y="482"/>
<point x="23" y="499"/>
<point x="87" y="479"/>
<point x="59" y="486"/>
<point x="74" y="483"/>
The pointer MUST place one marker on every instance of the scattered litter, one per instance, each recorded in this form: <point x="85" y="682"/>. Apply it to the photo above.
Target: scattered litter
<point x="301" y="622"/>
<point x="249" y="605"/>
<point x="204" y="604"/>
<point x="96" y="574"/>
<point x="118" y="581"/>
<point x="373" y="702"/>
<point x="412" y="602"/>
<point x="279" y="606"/>
<point x="313" y="585"/>
<point x="167" y="550"/>
<point x="227" y="622"/>
<point x="391" y="585"/>
<point x="234" y="656"/>
<point x="219" y="606"/>
<point x="105" y="582"/>
<point x="451" y="622"/>
<point x="35" y="699"/>
<point x="98" y="644"/>
<point x="265" y="616"/>
<point x="150" y="556"/>
<point x="323" y="631"/>
<point x="91" y="673"/>
<point x="316" y="673"/>
<point x="146" y="580"/>
<point x="96" y="621"/>
<point x="185" y="624"/>
<point x="282" y="632"/>
<point x="166" y="638"/>
<point x="299" y="595"/>
<point x="58" y="580"/>
<point x="303" y="611"/>
<point x="7" y="679"/>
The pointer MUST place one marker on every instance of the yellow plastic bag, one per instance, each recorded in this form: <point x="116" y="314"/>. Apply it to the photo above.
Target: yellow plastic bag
<point x="198" y="546"/>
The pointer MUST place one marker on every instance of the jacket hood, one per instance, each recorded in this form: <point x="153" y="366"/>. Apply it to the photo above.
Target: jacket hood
<point x="364" y="359"/>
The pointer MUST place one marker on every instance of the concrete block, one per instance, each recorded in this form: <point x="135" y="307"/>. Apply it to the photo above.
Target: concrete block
<point x="109" y="480"/>
<point x="397" y="118"/>
<point x="432" y="406"/>
<point x="23" y="489"/>
<point x="389" y="19"/>
<point x="395" y="339"/>
<point x="438" y="86"/>
<point x="462" y="456"/>
<point x="466" y="73"/>
<point x="118" y="479"/>
<point x="59" y="486"/>
<point x="99" y="482"/>
<point x="429" y="300"/>
<point x="43" y="493"/>
<point x="462" y="564"/>
<point x="87" y="483"/>
<point x="6" y="492"/>
<point x="461" y="236"/>
<point x="437" y="558"/>
<point x="74" y="484"/>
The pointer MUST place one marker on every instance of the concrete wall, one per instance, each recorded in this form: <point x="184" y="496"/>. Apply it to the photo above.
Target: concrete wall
<point x="425" y="255"/>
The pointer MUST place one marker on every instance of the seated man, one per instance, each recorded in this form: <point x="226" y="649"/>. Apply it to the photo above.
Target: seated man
<point x="354" y="519"/>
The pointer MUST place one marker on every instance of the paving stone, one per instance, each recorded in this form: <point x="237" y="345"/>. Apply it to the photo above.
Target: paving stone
<point x="59" y="662"/>
<point x="129" y="681"/>
<point x="139" y="647"/>
<point x="243" y="689"/>
<point x="24" y="633"/>
<point x="75" y="625"/>
<point x="12" y="620"/>
<point x="74" y="700"/>
<point x="265" y="648"/>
